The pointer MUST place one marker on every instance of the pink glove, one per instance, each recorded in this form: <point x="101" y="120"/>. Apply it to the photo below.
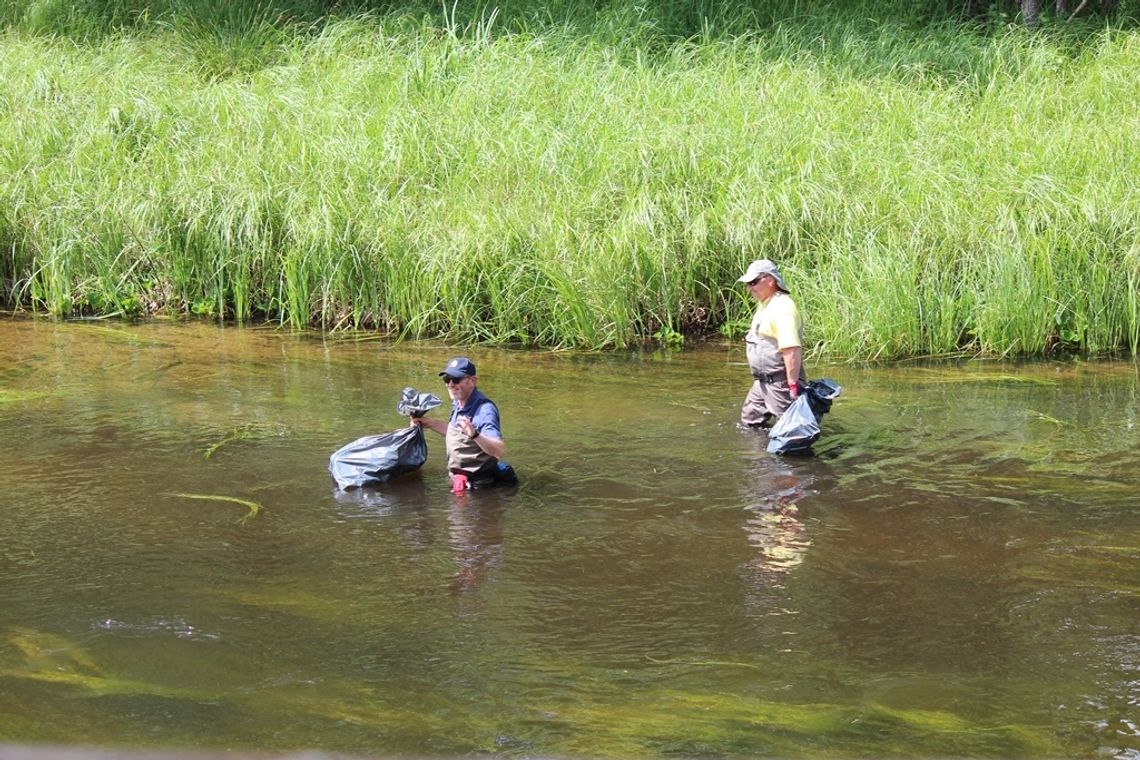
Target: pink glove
<point x="794" y="389"/>
<point x="458" y="482"/>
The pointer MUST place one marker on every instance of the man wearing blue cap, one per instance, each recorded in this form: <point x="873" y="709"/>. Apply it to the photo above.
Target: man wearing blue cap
<point x="473" y="438"/>
<point x="775" y="347"/>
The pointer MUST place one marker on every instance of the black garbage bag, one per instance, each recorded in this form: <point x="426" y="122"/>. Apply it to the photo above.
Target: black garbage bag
<point x="412" y="404"/>
<point x="798" y="428"/>
<point x="379" y="458"/>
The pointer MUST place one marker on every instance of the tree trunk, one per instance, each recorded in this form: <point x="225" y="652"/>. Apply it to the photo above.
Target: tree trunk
<point x="1061" y="9"/>
<point x="1031" y="13"/>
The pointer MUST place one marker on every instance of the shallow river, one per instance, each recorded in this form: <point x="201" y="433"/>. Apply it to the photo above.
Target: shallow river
<point x="955" y="573"/>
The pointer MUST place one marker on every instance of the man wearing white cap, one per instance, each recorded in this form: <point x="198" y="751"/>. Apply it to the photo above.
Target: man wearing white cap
<point x="775" y="347"/>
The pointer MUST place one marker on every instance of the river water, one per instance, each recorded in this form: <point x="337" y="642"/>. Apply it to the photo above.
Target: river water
<point x="956" y="572"/>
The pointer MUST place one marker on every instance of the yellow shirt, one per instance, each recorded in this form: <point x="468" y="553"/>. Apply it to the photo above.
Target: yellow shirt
<point x="775" y="326"/>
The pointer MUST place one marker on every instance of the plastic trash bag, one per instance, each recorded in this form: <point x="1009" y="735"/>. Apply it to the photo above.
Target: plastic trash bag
<point x="379" y="458"/>
<point x="821" y="393"/>
<point x="412" y="404"/>
<point x="798" y="428"/>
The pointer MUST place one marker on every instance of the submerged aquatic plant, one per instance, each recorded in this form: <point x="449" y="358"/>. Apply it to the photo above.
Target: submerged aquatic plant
<point x="54" y="659"/>
<point x="254" y="509"/>
<point x="662" y="722"/>
<point x="244" y="433"/>
<point x="14" y="397"/>
<point x="51" y="652"/>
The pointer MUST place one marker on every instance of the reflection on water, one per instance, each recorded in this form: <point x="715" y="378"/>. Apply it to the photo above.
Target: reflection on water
<point x="780" y="542"/>
<point x="954" y="573"/>
<point x="475" y="534"/>
<point x="771" y="496"/>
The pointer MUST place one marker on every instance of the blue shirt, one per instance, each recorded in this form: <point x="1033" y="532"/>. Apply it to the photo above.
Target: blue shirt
<point x="482" y="411"/>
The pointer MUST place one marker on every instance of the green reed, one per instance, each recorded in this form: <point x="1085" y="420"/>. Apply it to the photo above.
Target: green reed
<point x="252" y="507"/>
<point x="925" y="192"/>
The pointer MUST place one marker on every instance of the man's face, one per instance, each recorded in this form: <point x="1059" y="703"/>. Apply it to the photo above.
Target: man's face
<point x="460" y="389"/>
<point x="762" y="287"/>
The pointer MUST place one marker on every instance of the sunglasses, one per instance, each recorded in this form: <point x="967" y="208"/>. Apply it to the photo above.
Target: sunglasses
<point x="453" y="380"/>
<point x="753" y="282"/>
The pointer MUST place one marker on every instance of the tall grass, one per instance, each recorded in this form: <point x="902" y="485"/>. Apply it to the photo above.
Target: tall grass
<point x="924" y="194"/>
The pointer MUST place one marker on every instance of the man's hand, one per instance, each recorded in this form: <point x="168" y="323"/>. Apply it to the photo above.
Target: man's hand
<point x="794" y="389"/>
<point x="467" y="427"/>
<point x="438" y="426"/>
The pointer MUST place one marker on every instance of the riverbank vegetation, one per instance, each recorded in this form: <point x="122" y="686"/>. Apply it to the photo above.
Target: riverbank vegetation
<point x="556" y="177"/>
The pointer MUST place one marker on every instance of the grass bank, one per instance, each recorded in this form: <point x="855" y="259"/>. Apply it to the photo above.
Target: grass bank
<point x="925" y="193"/>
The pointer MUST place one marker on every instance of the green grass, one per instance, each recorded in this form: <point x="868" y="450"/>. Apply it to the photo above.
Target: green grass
<point x="254" y="509"/>
<point x="517" y="179"/>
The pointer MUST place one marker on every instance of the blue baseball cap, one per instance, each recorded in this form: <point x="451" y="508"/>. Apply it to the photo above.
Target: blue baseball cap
<point x="458" y="368"/>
